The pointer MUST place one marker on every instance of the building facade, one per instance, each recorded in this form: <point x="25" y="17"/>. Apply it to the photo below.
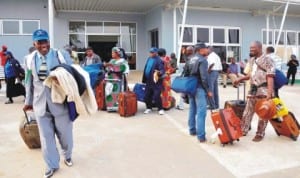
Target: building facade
<point x="229" y="31"/>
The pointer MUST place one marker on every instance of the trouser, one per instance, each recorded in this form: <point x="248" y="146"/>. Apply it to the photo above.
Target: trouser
<point x="152" y="93"/>
<point x="233" y="77"/>
<point x="197" y="114"/>
<point x="293" y="74"/>
<point x="213" y="84"/>
<point x="224" y="79"/>
<point x="62" y="126"/>
<point x="247" y="118"/>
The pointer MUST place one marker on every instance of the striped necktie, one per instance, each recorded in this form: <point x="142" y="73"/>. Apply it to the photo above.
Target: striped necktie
<point x="43" y="69"/>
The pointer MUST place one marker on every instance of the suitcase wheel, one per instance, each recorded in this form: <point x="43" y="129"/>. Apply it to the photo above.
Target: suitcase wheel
<point x="238" y="140"/>
<point x="277" y="132"/>
<point x="294" y="137"/>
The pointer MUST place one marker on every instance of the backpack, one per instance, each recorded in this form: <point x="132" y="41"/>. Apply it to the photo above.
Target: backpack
<point x="279" y="79"/>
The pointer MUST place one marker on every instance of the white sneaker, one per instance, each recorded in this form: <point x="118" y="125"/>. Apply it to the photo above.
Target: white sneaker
<point x="147" y="111"/>
<point x="161" y="112"/>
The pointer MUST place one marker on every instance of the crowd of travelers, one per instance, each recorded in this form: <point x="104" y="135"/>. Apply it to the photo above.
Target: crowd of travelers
<point x="42" y="88"/>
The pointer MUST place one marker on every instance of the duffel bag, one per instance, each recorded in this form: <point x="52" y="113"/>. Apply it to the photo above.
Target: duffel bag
<point x="186" y="85"/>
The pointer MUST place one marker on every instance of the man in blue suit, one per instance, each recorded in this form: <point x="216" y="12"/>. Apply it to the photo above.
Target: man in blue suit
<point x="52" y="118"/>
<point x="153" y="71"/>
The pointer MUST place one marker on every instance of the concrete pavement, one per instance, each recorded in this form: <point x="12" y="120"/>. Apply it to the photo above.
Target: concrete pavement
<point x="152" y="146"/>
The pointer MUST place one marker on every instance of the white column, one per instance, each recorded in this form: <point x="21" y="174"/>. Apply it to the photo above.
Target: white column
<point x="182" y="30"/>
<point x="282" y="22"/>
<point x="268" y="28"/>
<point x="174" y="30"/>
<point x="51" y="12"/>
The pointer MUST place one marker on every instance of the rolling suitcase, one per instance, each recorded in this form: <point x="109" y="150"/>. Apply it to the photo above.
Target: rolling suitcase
<point x="100" y="95"/>
<point x="29" y="131"/>
<point x="229" y="124"/>
<point x="127" y="104"/>
<point x="238" y="105"/>
<point x="287" y="126"/>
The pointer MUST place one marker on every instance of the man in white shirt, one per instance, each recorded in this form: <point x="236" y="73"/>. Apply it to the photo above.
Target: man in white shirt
<point x="277" y="61"/>
<point x="214" y="68"/>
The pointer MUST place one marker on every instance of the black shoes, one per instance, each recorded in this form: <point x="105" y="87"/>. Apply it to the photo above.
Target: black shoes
<point x="68" y="162"/>
<point x="9" y="102"/>
<point x="49" y="173"/>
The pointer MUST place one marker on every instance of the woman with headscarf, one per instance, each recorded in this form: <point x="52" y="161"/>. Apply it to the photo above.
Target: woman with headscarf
<point x="115" y="78"/>
<point x="14" y="73"/>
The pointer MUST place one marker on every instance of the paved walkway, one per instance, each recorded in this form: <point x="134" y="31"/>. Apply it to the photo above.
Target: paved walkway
<point x="152" y="146"/>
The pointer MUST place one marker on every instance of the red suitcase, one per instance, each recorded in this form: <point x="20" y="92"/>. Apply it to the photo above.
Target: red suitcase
<point x="229" y="123"/>
<point x="100" y="95"/>
<point x="127" y="103"/>
<point x="287" y="126"/>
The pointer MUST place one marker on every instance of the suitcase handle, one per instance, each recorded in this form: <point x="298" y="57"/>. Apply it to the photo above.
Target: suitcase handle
<point x="238" y="91"/>
<point x="26" y="116"/>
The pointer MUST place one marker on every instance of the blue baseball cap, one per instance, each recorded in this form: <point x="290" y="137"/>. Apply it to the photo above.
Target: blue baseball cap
<point x="40" y="35"/>
<point x="153" y="50"/>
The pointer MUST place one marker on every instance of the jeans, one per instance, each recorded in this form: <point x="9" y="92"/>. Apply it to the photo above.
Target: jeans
<point x="213" y="84"/>
<point x="197" y="108"/>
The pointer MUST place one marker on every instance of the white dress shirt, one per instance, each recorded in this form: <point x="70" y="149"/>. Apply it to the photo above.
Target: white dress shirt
<point x="213" y="58"/>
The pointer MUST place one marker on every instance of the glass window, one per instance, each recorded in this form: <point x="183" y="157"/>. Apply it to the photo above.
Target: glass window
<point x="234" y="36"/>
<point x="76" y="27"/>
<point x="203" y="35"/>
<point x="30" y="26"/>
<point x="129" y="43"/>
<point x="234" y="51"/>
<point x="154" y="38"/>
<point x="218" y="35"/>
<point x="188" y="35"/>
<point x="11" y="27"/>
<point x="265" y="37"/>
<point x="291" y="38"/>
<point x="0" y="27"/>
<point x="221" y="51"/>
<point x="111" y="27"/>
<point x="94" y="27"/>
<point x="131" y="57"/>
<point x="77" y="40"/>
<point x="281" y="39"/>
<point x="128" y="28"/>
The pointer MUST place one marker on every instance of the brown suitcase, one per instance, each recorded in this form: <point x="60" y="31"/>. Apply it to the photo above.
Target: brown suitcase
<point x="100" y="95"/>
<point x="127" y="103"/>
<point x="287" y="126"/>
<point x="229" y="123"/>
<point x="29" y="131"/>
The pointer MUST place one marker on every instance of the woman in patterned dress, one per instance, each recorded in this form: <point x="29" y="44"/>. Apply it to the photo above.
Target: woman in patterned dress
<point x="166" y="96"/>
<point x="115" y="78"/>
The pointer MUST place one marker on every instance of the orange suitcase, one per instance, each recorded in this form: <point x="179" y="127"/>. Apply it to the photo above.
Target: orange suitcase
<point x="229" y="123"/>
<point x="287" y="126"/>
<point x="127" y="103"/>
<point x="100" y="95"/>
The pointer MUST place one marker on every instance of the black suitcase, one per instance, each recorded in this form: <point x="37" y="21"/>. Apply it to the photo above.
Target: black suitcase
<point x="29" y="130"/>
<point x="238" y="105"/>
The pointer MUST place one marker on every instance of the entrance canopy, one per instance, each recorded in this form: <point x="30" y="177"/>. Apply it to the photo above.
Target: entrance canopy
<point x="257" y="7"/>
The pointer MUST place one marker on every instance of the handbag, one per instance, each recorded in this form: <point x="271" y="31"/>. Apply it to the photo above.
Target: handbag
<point x="186" y="85"/>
